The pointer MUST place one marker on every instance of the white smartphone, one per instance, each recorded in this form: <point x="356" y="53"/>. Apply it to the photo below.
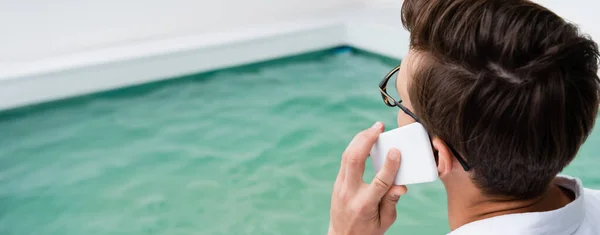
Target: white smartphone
<point x="417" y="163"/>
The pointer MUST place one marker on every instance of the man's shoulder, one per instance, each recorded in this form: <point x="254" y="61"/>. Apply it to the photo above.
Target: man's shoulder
<point x="593" y="193"/>
<point x="591" y="205"/>
<point x="592" y="200"/>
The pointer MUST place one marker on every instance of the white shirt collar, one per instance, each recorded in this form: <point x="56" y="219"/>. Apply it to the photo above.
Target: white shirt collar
<point x="561" y="221"/>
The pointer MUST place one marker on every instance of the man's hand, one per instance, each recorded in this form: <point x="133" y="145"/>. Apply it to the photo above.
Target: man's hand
<point x="357" y="207"/>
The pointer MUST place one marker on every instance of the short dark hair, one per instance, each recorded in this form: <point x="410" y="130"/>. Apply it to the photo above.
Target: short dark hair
<point x="510" y="84"/>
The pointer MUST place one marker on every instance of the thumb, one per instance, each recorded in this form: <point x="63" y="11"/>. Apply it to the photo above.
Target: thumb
<point x="387" y="207"/>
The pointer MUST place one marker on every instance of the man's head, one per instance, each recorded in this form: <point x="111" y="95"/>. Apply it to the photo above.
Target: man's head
<point x="509" y="84"/>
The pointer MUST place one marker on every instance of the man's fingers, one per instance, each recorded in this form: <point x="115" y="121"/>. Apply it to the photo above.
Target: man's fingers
<point x="384" y="179"/>
<point x="357" y="152"/>
<point x="341" y="173"/>
<point x="387" y="207"/>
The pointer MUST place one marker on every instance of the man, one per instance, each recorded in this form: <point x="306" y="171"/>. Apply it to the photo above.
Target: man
<point x="508" y="92"/>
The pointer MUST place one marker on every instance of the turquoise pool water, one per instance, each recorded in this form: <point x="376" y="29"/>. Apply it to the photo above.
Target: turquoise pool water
<point x="250" y="150"/>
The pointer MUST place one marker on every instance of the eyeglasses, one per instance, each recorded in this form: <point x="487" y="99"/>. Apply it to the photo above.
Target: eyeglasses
<point x="391" y="102"/>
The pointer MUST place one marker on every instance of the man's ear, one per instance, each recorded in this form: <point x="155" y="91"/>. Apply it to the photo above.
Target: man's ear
<point x="445" y="157"/>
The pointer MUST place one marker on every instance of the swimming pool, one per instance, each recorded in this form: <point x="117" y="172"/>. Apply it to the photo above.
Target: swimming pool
<point x="248" y="150"/>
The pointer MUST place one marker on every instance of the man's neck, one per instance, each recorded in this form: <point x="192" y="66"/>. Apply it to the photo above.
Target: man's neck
<point x="468" y="205"/>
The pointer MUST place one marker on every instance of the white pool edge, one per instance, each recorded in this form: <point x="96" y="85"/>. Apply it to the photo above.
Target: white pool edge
<point x="137" y="63"/>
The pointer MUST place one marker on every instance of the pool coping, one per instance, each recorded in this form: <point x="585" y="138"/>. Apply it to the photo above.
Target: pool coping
<point x="375" y="30"/>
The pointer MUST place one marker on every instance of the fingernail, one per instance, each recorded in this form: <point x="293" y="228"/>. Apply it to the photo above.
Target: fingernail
<point x="395" y="154"/>
<point x="377" y="125"/>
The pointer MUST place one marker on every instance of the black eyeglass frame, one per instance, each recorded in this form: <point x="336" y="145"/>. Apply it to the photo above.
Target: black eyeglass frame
<point x="391" y="102"/>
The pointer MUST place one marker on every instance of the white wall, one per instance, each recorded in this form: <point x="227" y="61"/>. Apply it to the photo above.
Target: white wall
<point x="34" y="29"/>
<point x="38" y="29"/>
